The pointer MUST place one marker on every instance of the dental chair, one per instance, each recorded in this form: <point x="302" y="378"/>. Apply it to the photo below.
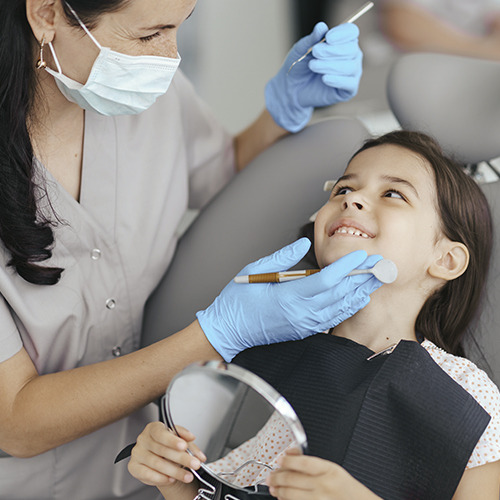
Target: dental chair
<point x="457" y="100"/>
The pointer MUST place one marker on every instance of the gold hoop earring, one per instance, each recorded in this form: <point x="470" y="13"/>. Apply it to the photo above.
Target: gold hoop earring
<point x="41" y="64"/>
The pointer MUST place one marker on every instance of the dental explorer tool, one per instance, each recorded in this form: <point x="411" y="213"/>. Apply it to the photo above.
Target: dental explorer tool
<point x="384" y="270"/>
<point x="366" y="7"/>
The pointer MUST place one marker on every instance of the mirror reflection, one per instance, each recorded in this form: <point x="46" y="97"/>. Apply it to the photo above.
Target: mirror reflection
<point x="240" y="422"/>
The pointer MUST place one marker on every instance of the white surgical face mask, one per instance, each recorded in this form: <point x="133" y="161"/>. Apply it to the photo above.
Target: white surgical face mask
<point x="118" y="84"/>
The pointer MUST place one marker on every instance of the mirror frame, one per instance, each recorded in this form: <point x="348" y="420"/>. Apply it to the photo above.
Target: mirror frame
<point x="271" y="395"/>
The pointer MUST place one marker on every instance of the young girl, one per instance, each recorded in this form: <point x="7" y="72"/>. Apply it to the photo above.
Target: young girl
<point x="399" y="197"/>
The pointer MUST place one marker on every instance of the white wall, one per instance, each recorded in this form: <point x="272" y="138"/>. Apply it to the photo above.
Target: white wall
<point x="230" y="49"/>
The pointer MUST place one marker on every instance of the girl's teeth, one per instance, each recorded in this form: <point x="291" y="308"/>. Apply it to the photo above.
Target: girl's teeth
<point x="352" y="231"/>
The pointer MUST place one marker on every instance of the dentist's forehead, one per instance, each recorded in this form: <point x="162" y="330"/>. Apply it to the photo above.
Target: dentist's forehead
<point x="154" y="14"/>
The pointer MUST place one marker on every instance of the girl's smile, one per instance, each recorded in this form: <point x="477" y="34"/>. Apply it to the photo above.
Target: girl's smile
<point x="348" y="227"/>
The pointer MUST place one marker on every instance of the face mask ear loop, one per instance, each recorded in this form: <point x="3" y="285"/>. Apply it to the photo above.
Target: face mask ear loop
<point x="56" y="60"/>
<point x="83" y="26"/>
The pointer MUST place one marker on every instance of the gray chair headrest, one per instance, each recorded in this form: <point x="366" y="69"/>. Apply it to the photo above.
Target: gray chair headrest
<point x="455" y="99"/>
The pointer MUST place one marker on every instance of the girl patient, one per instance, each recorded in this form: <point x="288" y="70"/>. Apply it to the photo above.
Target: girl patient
<point x="421" y="422"/>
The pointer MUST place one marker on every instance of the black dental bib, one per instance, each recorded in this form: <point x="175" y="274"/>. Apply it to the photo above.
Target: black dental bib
<point x="397" y="423"/>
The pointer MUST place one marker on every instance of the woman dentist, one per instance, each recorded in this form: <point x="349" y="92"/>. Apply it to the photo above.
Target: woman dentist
<point x="98" y="163"/>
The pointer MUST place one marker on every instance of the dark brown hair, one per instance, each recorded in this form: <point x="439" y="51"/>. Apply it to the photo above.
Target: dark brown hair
<point x="25" y="233"/>
<point x="465" y="217"/>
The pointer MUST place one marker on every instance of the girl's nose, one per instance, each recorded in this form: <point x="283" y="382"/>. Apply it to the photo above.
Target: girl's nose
<point x="353" y="200"/>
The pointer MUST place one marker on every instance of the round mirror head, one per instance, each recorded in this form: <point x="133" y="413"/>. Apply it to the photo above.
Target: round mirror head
<point x="241" y="423"/>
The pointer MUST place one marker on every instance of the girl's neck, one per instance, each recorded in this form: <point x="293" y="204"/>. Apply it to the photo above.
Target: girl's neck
<point x="383" y="322"/>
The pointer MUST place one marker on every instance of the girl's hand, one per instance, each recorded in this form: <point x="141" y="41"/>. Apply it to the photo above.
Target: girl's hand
<point x="160" y="457"/>
<point x="302" y="478"/>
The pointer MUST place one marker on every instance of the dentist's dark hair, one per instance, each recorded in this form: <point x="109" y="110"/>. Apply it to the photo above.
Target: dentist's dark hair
<point x="27" y="234"/>
<point x="449" y="313"/>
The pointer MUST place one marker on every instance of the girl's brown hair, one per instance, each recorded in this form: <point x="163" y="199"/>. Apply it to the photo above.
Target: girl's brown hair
<point x="465" y="217"/>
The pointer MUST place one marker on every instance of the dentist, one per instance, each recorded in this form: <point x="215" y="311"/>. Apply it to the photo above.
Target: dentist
<point x="98" y="163"/>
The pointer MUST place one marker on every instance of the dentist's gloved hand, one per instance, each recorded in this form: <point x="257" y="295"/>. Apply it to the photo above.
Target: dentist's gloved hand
<point x="247" y="315"/>
<point x="330" y="74"/>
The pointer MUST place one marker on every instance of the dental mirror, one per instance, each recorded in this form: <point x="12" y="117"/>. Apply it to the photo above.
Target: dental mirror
<point x="384" y="270"/>
<point x="241" y="423"/>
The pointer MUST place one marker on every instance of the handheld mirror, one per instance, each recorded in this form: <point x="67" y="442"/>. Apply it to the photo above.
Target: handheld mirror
<point x="230" y="410"/>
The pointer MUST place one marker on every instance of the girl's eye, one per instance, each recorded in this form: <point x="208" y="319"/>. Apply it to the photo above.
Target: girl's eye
<point x="150" y="37"/>
<point x="342" y="190"/>
<point x="394" y="194"/>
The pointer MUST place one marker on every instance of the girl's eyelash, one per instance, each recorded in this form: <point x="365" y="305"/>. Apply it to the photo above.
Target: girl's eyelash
<point x="337" y="190"/>
<point x="150" y="37"/>
<point x="397" y="192"/>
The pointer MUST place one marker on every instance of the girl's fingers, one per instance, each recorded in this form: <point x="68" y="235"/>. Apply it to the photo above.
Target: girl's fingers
<point x="169" y="467"/>
<point x="156" y="432"/>
<point x="185" y="442"/>
<point x="149" y="476"/>
<point x="161" y="439"/>
<point x="197" y="452"/>
<point x="184" y="433"/>
<point x="287" y="479"/>
<point x="289" y="494"/>
<point x="180" y="458"/>
<point x="312" y="466"/>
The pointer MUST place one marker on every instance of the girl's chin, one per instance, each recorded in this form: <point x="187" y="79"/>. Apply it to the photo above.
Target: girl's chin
<point x="333" y="257"/>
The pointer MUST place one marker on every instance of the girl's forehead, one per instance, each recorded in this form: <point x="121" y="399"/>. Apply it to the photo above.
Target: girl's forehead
<point x="391" y="160"/>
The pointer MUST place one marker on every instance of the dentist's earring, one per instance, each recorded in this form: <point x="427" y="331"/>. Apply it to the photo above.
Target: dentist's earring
<point x="41" y="64"/>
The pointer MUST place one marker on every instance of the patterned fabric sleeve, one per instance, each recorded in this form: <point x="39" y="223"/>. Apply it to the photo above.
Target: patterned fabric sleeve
<point x="485" y="392"/>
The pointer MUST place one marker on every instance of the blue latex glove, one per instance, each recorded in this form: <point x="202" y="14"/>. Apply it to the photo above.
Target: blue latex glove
<point x="246" y="315"/>
<point x="330" y="74"/>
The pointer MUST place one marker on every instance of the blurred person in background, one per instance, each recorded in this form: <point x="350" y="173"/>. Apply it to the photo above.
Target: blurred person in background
<point x="468" y="28"/>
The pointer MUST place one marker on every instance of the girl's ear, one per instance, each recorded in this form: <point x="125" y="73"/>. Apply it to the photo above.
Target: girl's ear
<point x="451" y="262"/>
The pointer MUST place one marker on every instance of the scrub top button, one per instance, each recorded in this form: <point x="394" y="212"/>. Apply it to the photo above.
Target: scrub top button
<point x="95" y="254"/>
<point x="110" y="304"/>
<point x="117" y="351"/>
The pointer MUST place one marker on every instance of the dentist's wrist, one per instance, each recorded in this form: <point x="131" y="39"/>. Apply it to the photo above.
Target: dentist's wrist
<point x="284" y="107"/>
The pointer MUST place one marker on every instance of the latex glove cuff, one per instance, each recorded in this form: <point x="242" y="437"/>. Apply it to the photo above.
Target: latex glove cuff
<point x="285" y="108"/>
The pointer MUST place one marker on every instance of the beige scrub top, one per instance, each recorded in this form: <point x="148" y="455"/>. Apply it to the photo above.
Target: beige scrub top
<point x="140" y="174"/>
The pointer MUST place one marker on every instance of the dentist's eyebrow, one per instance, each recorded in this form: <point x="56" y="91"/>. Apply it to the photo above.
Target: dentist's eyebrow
<point x="164" y="27"/>
<point x="398" y="180"/>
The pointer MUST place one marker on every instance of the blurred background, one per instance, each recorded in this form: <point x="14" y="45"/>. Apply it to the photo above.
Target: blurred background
<point x="231" y="48"/>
